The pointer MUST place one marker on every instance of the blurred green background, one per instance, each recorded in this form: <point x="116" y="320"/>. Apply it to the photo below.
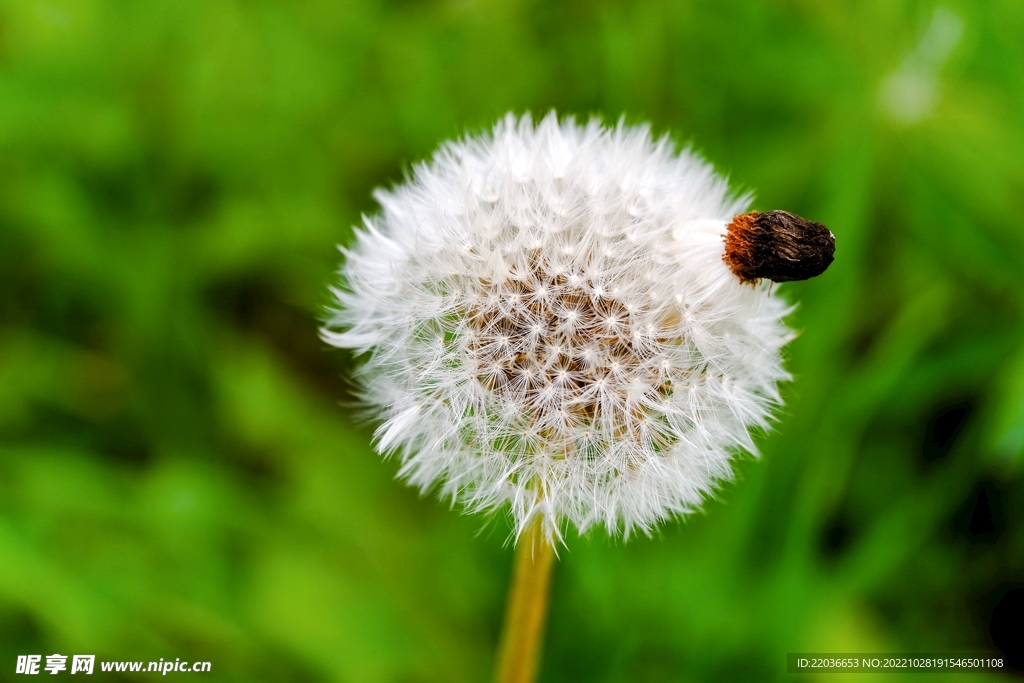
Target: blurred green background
<point x="181" y="473"/>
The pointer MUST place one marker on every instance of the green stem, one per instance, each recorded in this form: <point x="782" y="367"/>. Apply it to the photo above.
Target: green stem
<point x="526" y="613"/>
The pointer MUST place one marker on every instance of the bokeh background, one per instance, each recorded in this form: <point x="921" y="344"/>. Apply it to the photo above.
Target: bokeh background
<point x="182" y="473"/>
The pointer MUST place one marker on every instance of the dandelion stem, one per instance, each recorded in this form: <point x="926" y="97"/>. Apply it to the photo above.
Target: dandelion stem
<point x="526" y="612"/>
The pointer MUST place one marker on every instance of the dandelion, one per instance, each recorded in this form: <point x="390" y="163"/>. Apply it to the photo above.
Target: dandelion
<point x="571" y="321"/>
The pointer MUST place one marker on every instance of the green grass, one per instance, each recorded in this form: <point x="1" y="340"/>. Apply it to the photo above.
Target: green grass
<point x="181" y="474"/>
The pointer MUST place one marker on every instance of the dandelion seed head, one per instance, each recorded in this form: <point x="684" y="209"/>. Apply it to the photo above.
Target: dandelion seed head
<point x="549" y="322"/>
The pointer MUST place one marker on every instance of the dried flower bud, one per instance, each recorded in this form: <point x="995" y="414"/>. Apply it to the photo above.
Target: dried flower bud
<point x="779" y="246"/>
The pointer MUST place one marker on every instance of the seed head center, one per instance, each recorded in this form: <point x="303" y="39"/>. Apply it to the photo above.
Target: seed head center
<point x="597" y="377"/>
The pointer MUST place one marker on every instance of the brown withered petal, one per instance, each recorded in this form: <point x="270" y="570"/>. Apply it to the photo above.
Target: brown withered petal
<point x="777" y="245"/>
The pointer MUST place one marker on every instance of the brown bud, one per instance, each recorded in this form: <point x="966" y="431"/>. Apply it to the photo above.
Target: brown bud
<point x="777" y="245"/>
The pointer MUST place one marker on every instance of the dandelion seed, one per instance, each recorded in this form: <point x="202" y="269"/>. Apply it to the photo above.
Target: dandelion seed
<point x="636" y="274"/>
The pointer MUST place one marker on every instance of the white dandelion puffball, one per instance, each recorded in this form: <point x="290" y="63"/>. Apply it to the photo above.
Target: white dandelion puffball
<point x="549" y="322"/>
